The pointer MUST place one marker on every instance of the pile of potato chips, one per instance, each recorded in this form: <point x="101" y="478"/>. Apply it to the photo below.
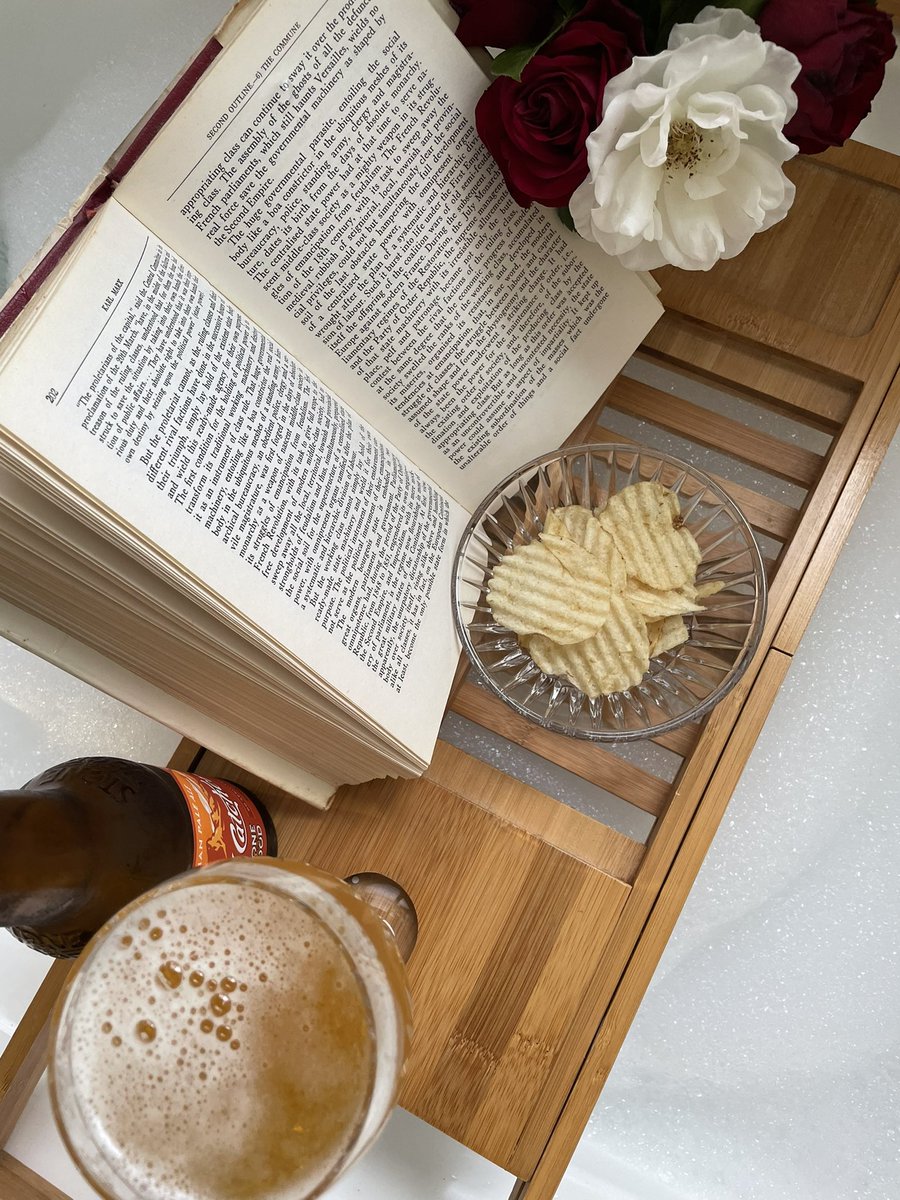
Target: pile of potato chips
<point x="601" y="593"/>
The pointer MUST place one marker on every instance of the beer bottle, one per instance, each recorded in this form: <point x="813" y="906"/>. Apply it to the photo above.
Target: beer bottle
<point x="83" y="838"/>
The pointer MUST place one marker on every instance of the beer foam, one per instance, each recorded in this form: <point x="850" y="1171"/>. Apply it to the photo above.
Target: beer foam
<point x="218" y="1044"/>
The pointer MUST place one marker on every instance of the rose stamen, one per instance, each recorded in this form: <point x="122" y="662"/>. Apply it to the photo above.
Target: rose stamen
<point x="684" y="147"/>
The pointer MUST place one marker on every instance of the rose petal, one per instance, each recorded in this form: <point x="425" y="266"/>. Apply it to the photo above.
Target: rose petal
<point x="640" y="184"/>
<point x="842" y="48"/>
<point x="720" y="22"/>
<point x="694" y="225"/>
<point x="703" y="187"/>
<point x="503" y="23"/>
<point x="537" y="127"/>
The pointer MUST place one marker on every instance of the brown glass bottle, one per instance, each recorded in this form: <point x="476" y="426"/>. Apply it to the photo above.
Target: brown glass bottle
<point x="83" y="838"/>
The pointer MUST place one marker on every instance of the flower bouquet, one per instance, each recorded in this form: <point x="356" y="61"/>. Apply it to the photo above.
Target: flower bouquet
<point x="660" y="131"/>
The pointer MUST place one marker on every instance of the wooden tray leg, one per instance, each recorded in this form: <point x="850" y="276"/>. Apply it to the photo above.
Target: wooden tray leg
<point x="18" y="1182"/>
<point x="24" y="1059"/>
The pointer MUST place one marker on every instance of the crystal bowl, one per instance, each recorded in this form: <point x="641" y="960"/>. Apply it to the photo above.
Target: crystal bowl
<point x="682" y="684"/>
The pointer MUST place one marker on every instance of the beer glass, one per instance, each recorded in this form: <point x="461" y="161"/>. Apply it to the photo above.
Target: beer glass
<point x="237" y="1033"/>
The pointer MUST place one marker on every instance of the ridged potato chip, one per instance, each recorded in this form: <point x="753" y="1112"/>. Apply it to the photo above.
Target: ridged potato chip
<point x="642" y="521"/>
<point x="710" y="588"/>
<point x="570" y="522"/>
<point x="653" y="603"/>
<point x="613" y="562"/>
<point x="552" y="587"/>
<point x="612" y="660"/>
<point x="602" y="592"/>
<point x="582" y="527"/>
<point x="666" y="634"/>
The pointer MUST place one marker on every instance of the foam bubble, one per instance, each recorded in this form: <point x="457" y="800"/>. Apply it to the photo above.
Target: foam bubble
<point x="170" y="973"/>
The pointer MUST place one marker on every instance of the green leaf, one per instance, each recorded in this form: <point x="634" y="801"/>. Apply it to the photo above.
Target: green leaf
<point x="512" y="62"/>
<point x="566" y="217"/>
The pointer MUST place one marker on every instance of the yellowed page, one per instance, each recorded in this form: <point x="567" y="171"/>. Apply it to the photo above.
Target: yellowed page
<point x="327" y="177"/>
<point x="149" y="404"/>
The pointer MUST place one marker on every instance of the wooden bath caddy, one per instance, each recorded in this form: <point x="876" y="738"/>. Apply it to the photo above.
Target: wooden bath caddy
<point x="540" y="927"/>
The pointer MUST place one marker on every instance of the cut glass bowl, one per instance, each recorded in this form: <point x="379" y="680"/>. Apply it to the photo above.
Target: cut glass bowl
<point x="682" y="684"/>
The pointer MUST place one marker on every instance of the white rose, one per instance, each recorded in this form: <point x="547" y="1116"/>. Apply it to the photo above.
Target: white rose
<point x="686" y="164"/>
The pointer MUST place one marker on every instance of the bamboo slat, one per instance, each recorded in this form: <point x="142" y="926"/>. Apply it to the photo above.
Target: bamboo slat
<point x="751" y="371"/>
<point x="593" y="763"/>
<point x="680" y="741"/>
<point x="878" y="166"/>
<point x="185" y="756"/>
<point x="708" y="428"/>
<point x="569" y="830"/>
<point x="840" y="523"/>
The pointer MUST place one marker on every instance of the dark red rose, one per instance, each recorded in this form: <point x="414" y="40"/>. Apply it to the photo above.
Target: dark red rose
<point x="842" y="49"/>
<point x="536" y="128"/>
<point x="504" y="23"/>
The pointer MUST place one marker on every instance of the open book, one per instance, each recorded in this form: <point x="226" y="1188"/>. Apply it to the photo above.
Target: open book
<point x="244" y="419"/>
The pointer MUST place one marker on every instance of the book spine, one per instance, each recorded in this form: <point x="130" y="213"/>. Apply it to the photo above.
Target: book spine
<point x="166" y="108"/>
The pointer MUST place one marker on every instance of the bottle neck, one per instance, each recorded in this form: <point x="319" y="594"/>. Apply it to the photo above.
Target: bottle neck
<point x="44" y="863"/>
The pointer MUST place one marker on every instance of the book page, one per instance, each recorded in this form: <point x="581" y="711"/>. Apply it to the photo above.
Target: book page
<point x="327" y="176"/>
<point x="142" y="388"/>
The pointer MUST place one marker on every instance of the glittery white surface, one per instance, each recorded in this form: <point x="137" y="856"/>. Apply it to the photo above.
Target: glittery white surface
<point x="47" y="716"/>
<point x="75" y="78"/>
<point x="763" y="1064"/>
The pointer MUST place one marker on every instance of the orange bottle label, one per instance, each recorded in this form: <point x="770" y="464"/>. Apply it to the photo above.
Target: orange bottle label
<point x="226" y="822"/>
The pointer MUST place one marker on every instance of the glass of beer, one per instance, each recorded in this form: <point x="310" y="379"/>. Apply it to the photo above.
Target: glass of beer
<point x="237" y="1033"/>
